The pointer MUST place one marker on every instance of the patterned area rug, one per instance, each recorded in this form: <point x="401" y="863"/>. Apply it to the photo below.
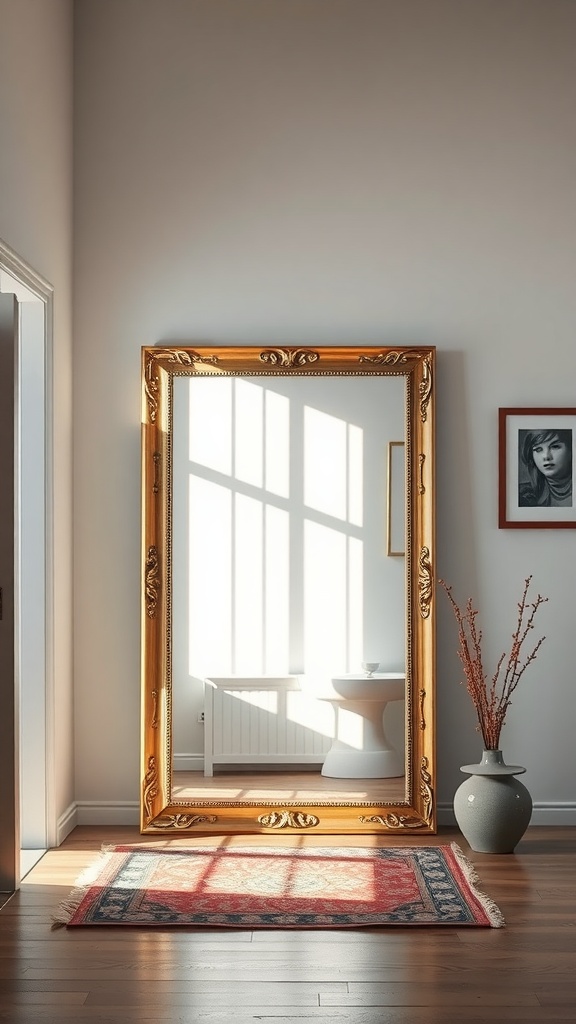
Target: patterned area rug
<point x="280" y="887"/>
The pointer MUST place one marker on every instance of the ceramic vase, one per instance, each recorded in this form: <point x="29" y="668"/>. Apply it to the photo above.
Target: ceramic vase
<point x="492" y="808"/>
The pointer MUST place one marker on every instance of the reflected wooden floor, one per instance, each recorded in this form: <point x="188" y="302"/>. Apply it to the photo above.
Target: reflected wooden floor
<point x="523" y="973"/>
<point x="273" y="785"/>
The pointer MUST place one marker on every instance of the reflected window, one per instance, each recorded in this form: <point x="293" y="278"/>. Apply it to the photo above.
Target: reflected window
<point x="274" y="530"/>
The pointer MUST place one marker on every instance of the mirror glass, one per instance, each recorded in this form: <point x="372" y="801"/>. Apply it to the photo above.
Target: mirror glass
<point x="287" y="615"/>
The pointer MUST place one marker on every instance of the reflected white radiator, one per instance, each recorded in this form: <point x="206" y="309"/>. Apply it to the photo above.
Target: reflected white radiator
<point x="266" y="720"/>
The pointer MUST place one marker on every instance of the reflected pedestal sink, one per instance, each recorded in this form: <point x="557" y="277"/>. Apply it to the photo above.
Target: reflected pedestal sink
<point x="360" y="749"/>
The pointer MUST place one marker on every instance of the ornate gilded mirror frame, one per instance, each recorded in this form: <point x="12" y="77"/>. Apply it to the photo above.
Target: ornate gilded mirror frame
<point x="160" y="813"/>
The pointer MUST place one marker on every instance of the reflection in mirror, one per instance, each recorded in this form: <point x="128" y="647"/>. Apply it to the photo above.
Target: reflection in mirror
<point x="289" y="673"/>
<point x="280" y="569"/>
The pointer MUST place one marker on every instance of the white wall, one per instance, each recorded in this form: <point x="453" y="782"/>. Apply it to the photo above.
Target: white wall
<point x="329" y="171"/>
<point x="36" y="223"/>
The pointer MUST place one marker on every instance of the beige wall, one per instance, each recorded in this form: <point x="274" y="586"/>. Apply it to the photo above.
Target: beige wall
<point x="320" y="171"/>
<point x="36" y="223"/>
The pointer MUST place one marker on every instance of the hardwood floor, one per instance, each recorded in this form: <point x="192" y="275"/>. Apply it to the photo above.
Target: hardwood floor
<point x="268" y="786"/>
<point x="525" y="972"/>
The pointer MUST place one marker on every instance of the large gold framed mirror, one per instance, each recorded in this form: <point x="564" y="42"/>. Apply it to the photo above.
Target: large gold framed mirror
<point x="288" y="621"/>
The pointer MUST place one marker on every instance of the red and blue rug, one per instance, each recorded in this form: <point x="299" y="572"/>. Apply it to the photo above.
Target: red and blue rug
<point x="280" y="887"/>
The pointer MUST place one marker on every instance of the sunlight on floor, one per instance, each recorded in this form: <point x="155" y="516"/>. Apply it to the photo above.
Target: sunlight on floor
<point x="28" y="860"/>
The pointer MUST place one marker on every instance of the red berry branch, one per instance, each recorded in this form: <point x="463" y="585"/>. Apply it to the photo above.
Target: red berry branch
<point x="492" y="700"/>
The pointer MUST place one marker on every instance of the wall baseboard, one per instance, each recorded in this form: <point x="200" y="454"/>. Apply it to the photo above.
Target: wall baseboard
<point x="542" y="814"/>
<point x="188" y="763"/>
<point x="66" y="823"/>
<point x="93" y="812"/>
<point x="116" y="812"/>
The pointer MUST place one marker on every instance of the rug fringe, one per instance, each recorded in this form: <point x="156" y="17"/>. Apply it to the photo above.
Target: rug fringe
<point x="494" y="914"/>
<point x="68" y="907"/>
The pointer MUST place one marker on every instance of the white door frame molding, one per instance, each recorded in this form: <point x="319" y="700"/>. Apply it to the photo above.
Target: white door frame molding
<point x="19" y="277"/>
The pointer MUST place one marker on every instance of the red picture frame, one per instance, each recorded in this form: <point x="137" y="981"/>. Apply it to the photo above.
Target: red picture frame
<point x="535" y="469"/>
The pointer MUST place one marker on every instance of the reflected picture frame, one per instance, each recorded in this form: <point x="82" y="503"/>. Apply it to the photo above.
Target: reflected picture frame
<point x="535" y="468"/>
<point x="395" y="519"/>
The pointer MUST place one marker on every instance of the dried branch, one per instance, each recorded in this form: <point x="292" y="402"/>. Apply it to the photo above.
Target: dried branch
<point x="492" y="700"/>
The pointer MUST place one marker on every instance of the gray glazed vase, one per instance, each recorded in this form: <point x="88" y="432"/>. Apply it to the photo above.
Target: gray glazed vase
<point x="492" y="808"/>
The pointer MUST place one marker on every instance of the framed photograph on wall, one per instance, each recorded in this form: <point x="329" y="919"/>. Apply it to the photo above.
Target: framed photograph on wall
<point x="536" y="476"/>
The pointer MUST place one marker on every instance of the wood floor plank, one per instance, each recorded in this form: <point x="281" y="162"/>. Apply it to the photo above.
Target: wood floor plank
<point x="322" y="1015"/>
<point x="432" y="995"/>
<point x="43" y="998"/>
